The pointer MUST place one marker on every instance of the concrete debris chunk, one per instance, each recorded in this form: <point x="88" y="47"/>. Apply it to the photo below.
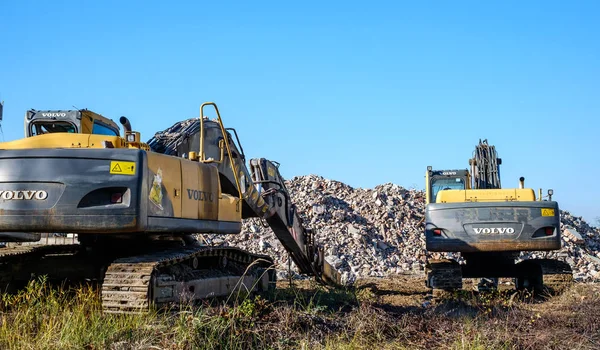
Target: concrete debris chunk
<point x="379" y="231"/>
<point x="572" y="235"/>
<point x="594" y="260"/>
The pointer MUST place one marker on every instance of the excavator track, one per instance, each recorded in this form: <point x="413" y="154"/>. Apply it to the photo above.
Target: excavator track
<point x="557" y="275"/>
<point x="7" y="253"/>
<point x="171" y="276"/>
<point x="444" y="274"/>
<point x="545" y="276"/>
<point x="12" y="259"/>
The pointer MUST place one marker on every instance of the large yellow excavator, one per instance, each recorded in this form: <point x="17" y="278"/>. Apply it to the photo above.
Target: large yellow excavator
<point x="468" y="212"/>
<point x="136" y="206"/>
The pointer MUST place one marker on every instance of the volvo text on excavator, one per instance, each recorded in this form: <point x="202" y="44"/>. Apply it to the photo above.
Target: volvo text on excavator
<point x="137" y="206"/>
<point x="468" y="212"/>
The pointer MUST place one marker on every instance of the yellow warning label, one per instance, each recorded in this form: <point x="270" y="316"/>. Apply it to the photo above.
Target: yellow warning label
<point x="547" y="212"/>
<point x="122" y="168"/>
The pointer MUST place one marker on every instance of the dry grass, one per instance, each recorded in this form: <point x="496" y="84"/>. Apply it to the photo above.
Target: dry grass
<point x="308" y="318"/>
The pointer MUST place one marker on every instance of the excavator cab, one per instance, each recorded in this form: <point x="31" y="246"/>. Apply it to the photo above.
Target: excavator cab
<point x="68" y="121"/>
<point x="443" y="180"/>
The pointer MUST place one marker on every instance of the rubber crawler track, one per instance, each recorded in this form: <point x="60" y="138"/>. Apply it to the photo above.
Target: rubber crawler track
<point x="444" y="274"/>
<point x="28" y="251"/>
<point x="128" y="282"/>
<point x="557" y="275"/>
<point x="25" y="253"/>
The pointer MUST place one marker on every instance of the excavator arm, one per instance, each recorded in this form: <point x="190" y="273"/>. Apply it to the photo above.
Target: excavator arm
<point x="287" y="225"/>
<point x="485" y="166"/>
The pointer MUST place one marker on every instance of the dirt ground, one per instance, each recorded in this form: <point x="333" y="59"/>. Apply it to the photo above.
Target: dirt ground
<point x="399" y="294"/>
<point x="399" y="312"/>
<point x="401" y="290"/>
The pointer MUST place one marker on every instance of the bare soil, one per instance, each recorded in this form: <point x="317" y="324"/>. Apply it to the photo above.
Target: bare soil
<point x="401" y="312"/>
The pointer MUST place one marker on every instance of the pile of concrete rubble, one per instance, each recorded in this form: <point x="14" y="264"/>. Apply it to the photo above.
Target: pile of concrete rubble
<point x="377" y="232"/>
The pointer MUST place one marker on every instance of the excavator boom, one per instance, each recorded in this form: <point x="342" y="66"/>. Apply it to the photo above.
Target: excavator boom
<point x="485" y="166"/>
<point x="287" y="225"/>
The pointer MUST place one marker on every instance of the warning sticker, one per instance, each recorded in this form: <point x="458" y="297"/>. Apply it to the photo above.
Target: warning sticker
<point x="547" y="212"/>
<point x="122" y="168"/>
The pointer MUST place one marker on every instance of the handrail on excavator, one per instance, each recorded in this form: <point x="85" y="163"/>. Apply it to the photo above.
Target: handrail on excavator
<point x="225" y="139"/>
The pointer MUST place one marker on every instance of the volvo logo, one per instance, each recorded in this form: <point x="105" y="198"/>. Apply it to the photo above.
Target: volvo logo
<point x="200" y="195"/>
<point x="23" y="195"/>
<point x="54" y="115"/>
<point x="494" y="230"/>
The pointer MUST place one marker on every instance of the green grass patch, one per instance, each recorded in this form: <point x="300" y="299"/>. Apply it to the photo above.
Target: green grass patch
<point x="41" y="317"/>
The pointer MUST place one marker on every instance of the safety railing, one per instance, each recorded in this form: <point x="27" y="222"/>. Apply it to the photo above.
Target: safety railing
<point x="203" y="158"/>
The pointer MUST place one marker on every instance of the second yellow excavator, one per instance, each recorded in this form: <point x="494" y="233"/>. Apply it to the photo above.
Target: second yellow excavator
<point x="468" y="212"/>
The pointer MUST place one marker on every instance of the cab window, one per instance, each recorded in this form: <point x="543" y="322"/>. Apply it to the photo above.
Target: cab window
<point x="101" y="129"/>
<point x="45" y="127"/>
<point x="446" y="183"/>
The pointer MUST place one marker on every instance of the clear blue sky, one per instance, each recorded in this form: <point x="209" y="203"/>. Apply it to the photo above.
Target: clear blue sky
<point x="365" y="92"/>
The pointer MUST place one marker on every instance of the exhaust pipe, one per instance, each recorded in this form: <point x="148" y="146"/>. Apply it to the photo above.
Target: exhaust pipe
<point x="125" y="122"/>
<point x="521" y="182"/>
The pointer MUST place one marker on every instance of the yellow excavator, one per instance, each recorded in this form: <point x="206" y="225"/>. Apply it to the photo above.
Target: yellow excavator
<point x="136" y="208"/>
<point x="468" y="212"/>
